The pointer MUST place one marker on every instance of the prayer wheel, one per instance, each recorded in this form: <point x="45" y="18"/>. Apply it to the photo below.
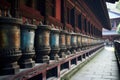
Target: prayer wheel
<point x="68" y="42"/>
<point x="54" y="43"/>
<point x="27" y="46"/>
<point x="62" y="42"/>
<point x="79" y="41"/>
<point x="9" y="45"/>
<point x="42" y="43"/>
<point x="73" y="42"/>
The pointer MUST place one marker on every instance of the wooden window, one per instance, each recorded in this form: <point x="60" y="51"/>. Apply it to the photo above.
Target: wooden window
<point x="40" y="6"/>
<point x="68" y="15"/>
<point x="28" y="3"/>
<point x="72" y="17"/>
<point x="79" y="22"/>
<point x="52" y="8"/>
<point x="94" y="30"/>
<point x="85" y="25"/>
<point x="89" y="27"/>
<point x="76" y="20"/>
<point x="9" y="1"/>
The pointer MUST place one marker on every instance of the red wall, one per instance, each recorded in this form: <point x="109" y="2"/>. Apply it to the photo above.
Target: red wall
<point x="58" y="9"/>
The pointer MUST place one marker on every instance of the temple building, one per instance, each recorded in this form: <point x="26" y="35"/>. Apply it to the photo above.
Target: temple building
<point x="114" y="14"/>
<point x="45" y="39"/>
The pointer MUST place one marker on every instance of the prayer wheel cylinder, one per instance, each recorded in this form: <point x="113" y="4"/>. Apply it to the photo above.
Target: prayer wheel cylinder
<point x="62" y="42"/>
<point x="68" y="42"/>
<point x="79" y="42"/>
<point x="54" y="43"/>
<point x="27" y="46"/>
<point x="42" y="44"/>
<point x="9" y="45"/>
<point x="73" y="42"/>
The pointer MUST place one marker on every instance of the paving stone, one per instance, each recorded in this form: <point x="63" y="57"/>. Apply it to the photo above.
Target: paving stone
<point x="102" y="67"/>
<point x="100" y="79"/>
<point x="109" y="77"/>
<point x="115" y="79"/>
<point x="115" y="74"/>
<point x="94" y="76"/>
<point x="105" y="73"/>
<point x="82" y="78"/>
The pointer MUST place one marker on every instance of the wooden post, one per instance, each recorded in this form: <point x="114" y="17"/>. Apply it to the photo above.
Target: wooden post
<point x="44" y="75"/>
<point x="63" y="16"/>
<point x="14" y="8"/>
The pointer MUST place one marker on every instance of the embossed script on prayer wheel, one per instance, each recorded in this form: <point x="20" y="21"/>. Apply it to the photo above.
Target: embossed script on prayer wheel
<point x="27" y="46"/>
<point x="14" y="34"/>
<point x="83" y="42"/>
<point x="42" y="45"/>
<point x="54" y="43"/>
<point x="9" y="45"/>
<point x="86" y="42"/>
<point x="73" y="42"/>
<point x="79" y="41"/>
<point x="62" y="42"/>
<point x="68" y="42"/>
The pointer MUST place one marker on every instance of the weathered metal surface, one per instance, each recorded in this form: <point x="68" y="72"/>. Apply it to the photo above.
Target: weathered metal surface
<point x="68" y="43"/>
<point x="68" y="38"/>
<point x="83" y="42"/>
<point x="79" y="41"/>
<point x="10" y="37"/>
<point x="42" y="43"/>
<point x="27" y="37"/>
<point x="27" y="46"/>
<point x="54" y="40"/>
<point x="73" y="42"/>
<point x="9" y="45"/>
<point x="62" y="42"/>
<point x="54" y="43"/>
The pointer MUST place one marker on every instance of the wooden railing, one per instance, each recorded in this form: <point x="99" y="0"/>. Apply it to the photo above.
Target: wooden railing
<point x="55" y="69"/>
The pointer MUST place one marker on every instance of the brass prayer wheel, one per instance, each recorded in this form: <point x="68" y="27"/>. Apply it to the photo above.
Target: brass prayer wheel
<point x="79" y="41"/>
<point x="9" y="45"/>
<point x="62" y="42"/>
<point x="73" y="42"/>
<point x="42" y="43"/>
<point x="68" y="42"/>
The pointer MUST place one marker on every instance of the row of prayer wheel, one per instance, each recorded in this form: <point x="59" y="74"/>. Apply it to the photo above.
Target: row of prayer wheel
<point x="22" y="45"/>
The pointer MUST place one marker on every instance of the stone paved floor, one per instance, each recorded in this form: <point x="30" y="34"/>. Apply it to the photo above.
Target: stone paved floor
<point x="102" y="67"/>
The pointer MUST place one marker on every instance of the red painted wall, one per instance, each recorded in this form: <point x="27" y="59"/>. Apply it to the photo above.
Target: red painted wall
<point x="58" y="10"/>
